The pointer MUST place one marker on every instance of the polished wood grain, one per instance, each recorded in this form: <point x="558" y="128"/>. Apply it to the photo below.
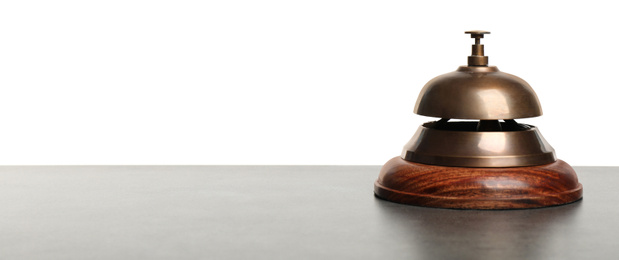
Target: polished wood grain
<point x="412" y="183"/>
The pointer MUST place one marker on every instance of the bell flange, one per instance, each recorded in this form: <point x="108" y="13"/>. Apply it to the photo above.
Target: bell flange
<point x="482" y="93"/>
<point x="466" y="148"/>
<point x="425" y="185"/>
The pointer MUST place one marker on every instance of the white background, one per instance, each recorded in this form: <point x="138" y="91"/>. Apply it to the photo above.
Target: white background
<point x="284" y="82"/>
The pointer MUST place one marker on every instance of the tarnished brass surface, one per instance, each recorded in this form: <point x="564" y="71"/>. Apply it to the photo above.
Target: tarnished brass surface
<point x="526" y="147"/>
<point x="478" y="92"/>
<point x="474" y="33"/>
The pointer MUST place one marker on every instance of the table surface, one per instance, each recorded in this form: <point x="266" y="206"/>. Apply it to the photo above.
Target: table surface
<point x="279" y="212"/>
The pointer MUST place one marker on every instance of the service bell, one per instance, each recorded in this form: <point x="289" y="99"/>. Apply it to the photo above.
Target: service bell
<point x="477" y="156"/>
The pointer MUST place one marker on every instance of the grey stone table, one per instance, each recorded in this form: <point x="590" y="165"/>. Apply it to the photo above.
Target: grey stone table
<point x="279" y="212"/>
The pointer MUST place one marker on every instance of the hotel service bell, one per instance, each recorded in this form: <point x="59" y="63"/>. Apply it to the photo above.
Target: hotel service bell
<point x="476" y="156"/>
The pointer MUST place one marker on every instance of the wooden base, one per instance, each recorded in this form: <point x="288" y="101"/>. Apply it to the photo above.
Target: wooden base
<point x="478" y="188"/>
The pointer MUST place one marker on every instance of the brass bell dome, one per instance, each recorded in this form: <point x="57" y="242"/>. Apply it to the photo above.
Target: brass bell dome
<point x="478" y="91"/>
<point x="488" y="96"/>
